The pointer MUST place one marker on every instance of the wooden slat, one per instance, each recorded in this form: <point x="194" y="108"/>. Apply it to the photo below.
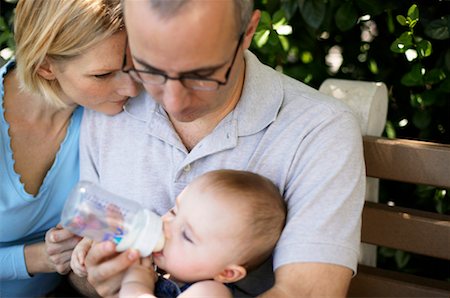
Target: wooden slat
<point x="408" y="161"/>
<point x="406" y="229"/>
<point x="374" y="282"/>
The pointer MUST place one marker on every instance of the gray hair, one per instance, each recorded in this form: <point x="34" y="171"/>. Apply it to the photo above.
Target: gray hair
<point x="243" y="10"/>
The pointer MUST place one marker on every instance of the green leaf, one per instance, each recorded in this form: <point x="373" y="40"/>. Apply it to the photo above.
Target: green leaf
<point x="428" y="98"/>
<point x="371" y="7"/>
<point x="387" y="252"/>
<point x="442" y="205"/>
<point x="390" y="22"/>
<point x="273" y="39"/>
<point x="413" y="13"/>
<point x="261" y="38"/>
<point x="284" y="42"/>
<point x="265" y="21"/>
<point x="278" y="18"/>
<point x="439" y="29"/>
<point x="402" y="258"/>
<point x="401" y="20"/>
<point x="390" y="130"/>
<point x="421" y="119"/>
<point x="424" y="48"/>
<point x="403" y="43"/>
<point x="346" y="16"/>
<point x="413" y="77"/>
<point x="289" y="8"/>
<point x="312" y="11"/>
<point x="3" y="26"/>
<point x="434" y="76"/>
<point x="444" y="87"/>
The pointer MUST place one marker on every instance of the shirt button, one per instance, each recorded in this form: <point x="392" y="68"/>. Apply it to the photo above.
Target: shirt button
<point x="187" y="168"/>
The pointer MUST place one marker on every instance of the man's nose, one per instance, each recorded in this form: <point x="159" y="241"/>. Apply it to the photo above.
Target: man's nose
<point x="174" y="94"/>
<point x="127" y="86"/>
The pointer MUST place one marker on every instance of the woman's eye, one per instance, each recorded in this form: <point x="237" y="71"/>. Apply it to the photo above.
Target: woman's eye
<point x="103" y="75"/>
<point x="172" y="212"/>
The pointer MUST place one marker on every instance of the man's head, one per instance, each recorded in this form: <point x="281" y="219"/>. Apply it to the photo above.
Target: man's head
<point x="195" y="40"/>
<point x="224" y="223"/>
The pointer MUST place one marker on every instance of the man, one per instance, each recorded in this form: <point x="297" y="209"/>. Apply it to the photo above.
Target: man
<point x="210" y="104"/>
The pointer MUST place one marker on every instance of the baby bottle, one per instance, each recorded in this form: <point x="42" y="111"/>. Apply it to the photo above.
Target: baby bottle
<point x="92" y="212"/>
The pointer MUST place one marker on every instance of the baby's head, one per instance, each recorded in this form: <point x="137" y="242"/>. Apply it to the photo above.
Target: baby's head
<point x="225" y="223"/>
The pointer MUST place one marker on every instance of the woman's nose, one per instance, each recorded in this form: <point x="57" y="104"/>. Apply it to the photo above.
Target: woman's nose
<point x="127" y="86"/>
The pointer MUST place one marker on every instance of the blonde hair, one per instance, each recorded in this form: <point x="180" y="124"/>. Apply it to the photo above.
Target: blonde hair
<point x="59" y="30"/>
<point x="264" y="211"/>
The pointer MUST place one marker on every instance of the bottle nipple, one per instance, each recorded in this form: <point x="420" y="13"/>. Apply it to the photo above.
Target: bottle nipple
<point x="160" y="244"/>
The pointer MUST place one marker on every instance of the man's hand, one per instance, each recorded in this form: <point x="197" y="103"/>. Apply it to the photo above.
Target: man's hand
<point x="59" y="244"/>
<point x="106" y="268"/>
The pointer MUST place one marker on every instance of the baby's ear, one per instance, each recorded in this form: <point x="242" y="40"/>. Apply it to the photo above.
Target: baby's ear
<point x="232" y="273"/>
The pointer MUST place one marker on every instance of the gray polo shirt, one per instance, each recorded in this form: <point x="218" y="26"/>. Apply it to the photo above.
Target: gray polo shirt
<point x="307" y="143"/>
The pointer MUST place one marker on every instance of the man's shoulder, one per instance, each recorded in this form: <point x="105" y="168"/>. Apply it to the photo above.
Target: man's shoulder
<point x="136" y="109"/>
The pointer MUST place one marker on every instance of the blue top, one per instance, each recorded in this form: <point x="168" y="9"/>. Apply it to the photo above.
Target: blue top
<point x="25" y="218"/>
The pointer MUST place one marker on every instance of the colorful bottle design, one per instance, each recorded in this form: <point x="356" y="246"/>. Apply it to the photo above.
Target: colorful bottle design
<point x="92" y="212"/>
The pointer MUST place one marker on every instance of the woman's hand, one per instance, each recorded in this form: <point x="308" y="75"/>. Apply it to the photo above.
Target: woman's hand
<point x="77" y="262"/>
<point x="59" y="244"/>
<point x="53" y="255"/>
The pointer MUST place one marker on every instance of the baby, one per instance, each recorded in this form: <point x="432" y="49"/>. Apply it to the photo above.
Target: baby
<point x="224" y="224"/>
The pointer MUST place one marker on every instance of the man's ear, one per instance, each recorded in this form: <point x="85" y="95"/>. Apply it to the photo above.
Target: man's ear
<point x="231" y="273"/>
<point x="47" y="69"/>
<point x="251" y="29"/>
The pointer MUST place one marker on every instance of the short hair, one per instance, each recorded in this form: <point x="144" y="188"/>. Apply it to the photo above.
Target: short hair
<point x="263" y="207"/>
<point x="59" y="30"/>
<point x="243" y="10"/>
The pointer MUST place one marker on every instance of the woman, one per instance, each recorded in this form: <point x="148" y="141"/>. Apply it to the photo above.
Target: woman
<point x="68" y="54"/>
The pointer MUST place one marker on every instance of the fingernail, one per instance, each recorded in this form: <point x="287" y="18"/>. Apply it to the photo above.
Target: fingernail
<point x="133" y="255"/>
<point x="53" y="238"/>
<point x="108" y="246"/>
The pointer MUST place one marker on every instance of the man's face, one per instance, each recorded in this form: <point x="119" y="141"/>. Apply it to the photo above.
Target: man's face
<point x="198" y="41"/>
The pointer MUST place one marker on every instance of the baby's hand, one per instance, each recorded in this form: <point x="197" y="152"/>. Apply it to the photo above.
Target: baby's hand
<point x="139" y="280"/>
<point x="78" y="257"/>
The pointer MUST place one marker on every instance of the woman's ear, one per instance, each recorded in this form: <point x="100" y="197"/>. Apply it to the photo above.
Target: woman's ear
<point x="47" y="69"/>
<point x="231" y="273"/>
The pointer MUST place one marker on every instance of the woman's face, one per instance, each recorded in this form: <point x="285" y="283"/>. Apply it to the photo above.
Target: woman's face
<point x="95" y="80"/>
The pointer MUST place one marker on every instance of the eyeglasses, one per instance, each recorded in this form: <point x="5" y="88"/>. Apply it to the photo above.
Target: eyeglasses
<point x="188" y="81"/>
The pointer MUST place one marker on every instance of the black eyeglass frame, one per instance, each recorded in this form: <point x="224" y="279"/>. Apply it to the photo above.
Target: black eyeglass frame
<point x="181" y="78"/>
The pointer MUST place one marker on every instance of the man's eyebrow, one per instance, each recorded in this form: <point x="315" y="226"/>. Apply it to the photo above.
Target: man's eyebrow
<point x="210" y="69"/>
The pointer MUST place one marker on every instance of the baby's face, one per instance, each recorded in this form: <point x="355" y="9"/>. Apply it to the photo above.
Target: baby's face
<point x="202" y="235"/>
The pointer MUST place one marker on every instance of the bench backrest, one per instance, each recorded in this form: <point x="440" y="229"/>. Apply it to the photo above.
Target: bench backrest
<point x="410" y="230"/>
<point x="414" y="231"/>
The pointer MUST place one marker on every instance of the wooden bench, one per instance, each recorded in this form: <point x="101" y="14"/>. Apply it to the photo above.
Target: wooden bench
<point x="410" y="230"/>
<point x="414" y="231"/>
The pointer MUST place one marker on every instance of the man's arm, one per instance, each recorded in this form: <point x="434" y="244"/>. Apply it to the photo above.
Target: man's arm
<point x="310" y="280"/>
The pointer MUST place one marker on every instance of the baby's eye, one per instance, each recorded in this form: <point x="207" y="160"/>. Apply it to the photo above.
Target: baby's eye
<point x="186" y="237"/>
